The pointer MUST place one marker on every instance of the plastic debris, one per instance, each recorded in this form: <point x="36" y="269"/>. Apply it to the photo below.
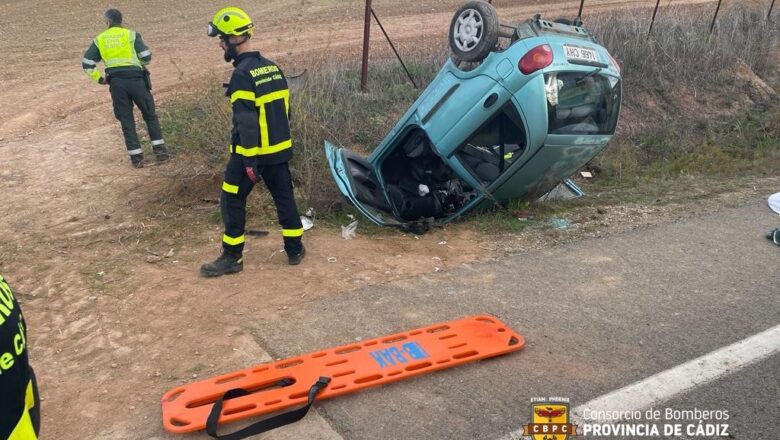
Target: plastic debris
<point x="774" y="202"/>
<point x="423" y="190"/>
<point x="332" y="259"/>
<point x="560" y="223"/>
<point x="307" y="223"/>
<point x="348" y="232"/>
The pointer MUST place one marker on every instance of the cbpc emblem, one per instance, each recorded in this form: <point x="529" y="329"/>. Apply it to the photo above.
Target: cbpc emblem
<point x="549" y="421"/>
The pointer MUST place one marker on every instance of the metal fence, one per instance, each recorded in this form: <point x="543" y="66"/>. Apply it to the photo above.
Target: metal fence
<point x="369" y="13"/>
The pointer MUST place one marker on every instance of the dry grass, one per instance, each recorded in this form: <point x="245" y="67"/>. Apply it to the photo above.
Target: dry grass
<point x="684" y="111"/>
<point x="681" y="50"/>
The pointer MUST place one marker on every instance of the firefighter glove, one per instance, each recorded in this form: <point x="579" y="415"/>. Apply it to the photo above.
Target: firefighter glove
<point x="251" y="172"/>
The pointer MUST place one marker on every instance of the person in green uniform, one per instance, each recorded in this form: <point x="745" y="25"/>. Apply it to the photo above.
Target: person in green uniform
<point x="19" y="401"/>
<point x="125" y="56"/>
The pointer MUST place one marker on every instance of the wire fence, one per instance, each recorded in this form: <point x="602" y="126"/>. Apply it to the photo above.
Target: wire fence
<point x="371" y="13"/>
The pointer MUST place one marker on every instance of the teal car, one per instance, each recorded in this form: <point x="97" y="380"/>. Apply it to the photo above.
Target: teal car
<point x="515" y="111"/>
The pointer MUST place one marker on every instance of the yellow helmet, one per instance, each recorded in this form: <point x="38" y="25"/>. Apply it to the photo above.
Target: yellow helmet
<point x="230" y="21"/>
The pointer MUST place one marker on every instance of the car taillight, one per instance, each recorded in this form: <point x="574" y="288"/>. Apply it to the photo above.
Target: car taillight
<point x="537" y="58"/>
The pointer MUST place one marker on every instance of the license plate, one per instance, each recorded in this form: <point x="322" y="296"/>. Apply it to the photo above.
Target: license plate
<point x="575" y="53"/>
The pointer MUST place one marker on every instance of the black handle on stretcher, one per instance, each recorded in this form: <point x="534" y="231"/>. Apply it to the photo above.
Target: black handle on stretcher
<point x="263" y="425"/>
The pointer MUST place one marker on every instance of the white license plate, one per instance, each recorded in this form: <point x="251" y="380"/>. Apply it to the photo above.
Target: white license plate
<point x="574" y="53"/>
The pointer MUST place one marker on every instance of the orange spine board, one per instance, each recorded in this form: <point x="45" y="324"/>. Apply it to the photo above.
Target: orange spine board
<point x="352" y="367"/>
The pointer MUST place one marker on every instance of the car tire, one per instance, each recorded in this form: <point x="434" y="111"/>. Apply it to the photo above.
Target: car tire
<point x="474" y="31"/>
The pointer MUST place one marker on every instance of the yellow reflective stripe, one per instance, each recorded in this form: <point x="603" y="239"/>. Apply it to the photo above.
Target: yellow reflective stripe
<point x="246" y="152"/>
<point x="263" y="126"/>
<point x="261" y="102"/>
<point x="242" y="94"/>
<point x="29" y="396"/>
<point x="257" y="151"/>
<point x="292" y="232"/>
<point x="276" y="148"/>
<point x="24" y="429"/>
<point x="230" y="189"/>
<point x="273" y="96"/>
<point x="232" y="241"/>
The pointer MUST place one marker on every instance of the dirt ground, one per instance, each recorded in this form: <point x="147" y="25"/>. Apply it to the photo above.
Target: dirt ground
<point x="116" y="311"/>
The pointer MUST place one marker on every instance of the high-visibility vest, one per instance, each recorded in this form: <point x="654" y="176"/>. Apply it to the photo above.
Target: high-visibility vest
<point x="117" y="47"/>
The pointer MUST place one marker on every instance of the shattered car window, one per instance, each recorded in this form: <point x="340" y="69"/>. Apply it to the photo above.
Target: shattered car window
<point x="582" y="103"/>
<point x="495" y="146"/>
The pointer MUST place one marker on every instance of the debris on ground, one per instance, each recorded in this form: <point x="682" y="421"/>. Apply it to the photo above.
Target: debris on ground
<point x="774" y="236"/>
<point x="560" y="223"/>
<point x="307" y="219"/>
<point x="348" y="232"/>
<point x="774" y="202"/>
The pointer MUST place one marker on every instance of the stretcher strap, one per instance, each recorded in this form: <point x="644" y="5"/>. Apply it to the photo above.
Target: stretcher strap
<point x="263" y="425"/>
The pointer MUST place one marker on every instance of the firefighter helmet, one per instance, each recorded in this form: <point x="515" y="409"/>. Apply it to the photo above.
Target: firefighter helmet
<point x="230" y="21"/>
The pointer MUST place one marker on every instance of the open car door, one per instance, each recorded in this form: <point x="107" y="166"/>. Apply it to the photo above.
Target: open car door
<point x="358" y="181"/>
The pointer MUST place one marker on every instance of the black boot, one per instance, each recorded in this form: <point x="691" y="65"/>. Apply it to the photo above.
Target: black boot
<point x="137" y="160"/>
<point x="295" y="259"/>
<point x="225" y="264"/>
<point x="161" y="153"/>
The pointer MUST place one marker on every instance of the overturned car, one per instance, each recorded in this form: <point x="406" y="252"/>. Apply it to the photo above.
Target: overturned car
<point x="516" y="110"/>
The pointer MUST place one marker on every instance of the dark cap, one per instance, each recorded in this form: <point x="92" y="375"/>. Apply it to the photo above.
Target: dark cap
<point x="113" y="16"/>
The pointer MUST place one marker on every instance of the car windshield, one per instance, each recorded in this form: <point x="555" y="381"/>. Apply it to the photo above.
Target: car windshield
<point x="495" y="146"/>
<point x="582" y="103"/>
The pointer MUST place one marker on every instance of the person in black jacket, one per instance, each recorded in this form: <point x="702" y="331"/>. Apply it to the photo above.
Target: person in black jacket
<point x="19" y="400"/>
<point x="261" y="145"/>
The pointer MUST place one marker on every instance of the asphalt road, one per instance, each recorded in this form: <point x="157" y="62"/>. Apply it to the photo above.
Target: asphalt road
<point x="596" y="315"/>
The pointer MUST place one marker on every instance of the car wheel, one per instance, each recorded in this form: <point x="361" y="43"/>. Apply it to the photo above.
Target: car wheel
<point x="474" y="31"/>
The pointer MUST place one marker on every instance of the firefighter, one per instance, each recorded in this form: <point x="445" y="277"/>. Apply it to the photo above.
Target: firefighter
<point x="125" y="56"/>
<point x="19" y="404"/>
<point x="261" y="145"/>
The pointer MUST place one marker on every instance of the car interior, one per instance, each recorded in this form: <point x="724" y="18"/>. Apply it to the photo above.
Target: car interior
<point x="582" y="103"/>
<point x="495" y="146"/>
<point x="419" y="183"/>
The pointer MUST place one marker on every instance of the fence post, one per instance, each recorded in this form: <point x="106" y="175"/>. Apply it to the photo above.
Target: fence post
<point x="712" y="26"/>
<point x="652" y="20"/>
<point x="366" y="37"/>
<point x="578" y="20"/>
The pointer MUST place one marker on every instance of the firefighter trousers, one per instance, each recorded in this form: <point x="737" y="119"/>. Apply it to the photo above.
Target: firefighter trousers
<point x="235" y="190"/>
<point x="124" y="93"/>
